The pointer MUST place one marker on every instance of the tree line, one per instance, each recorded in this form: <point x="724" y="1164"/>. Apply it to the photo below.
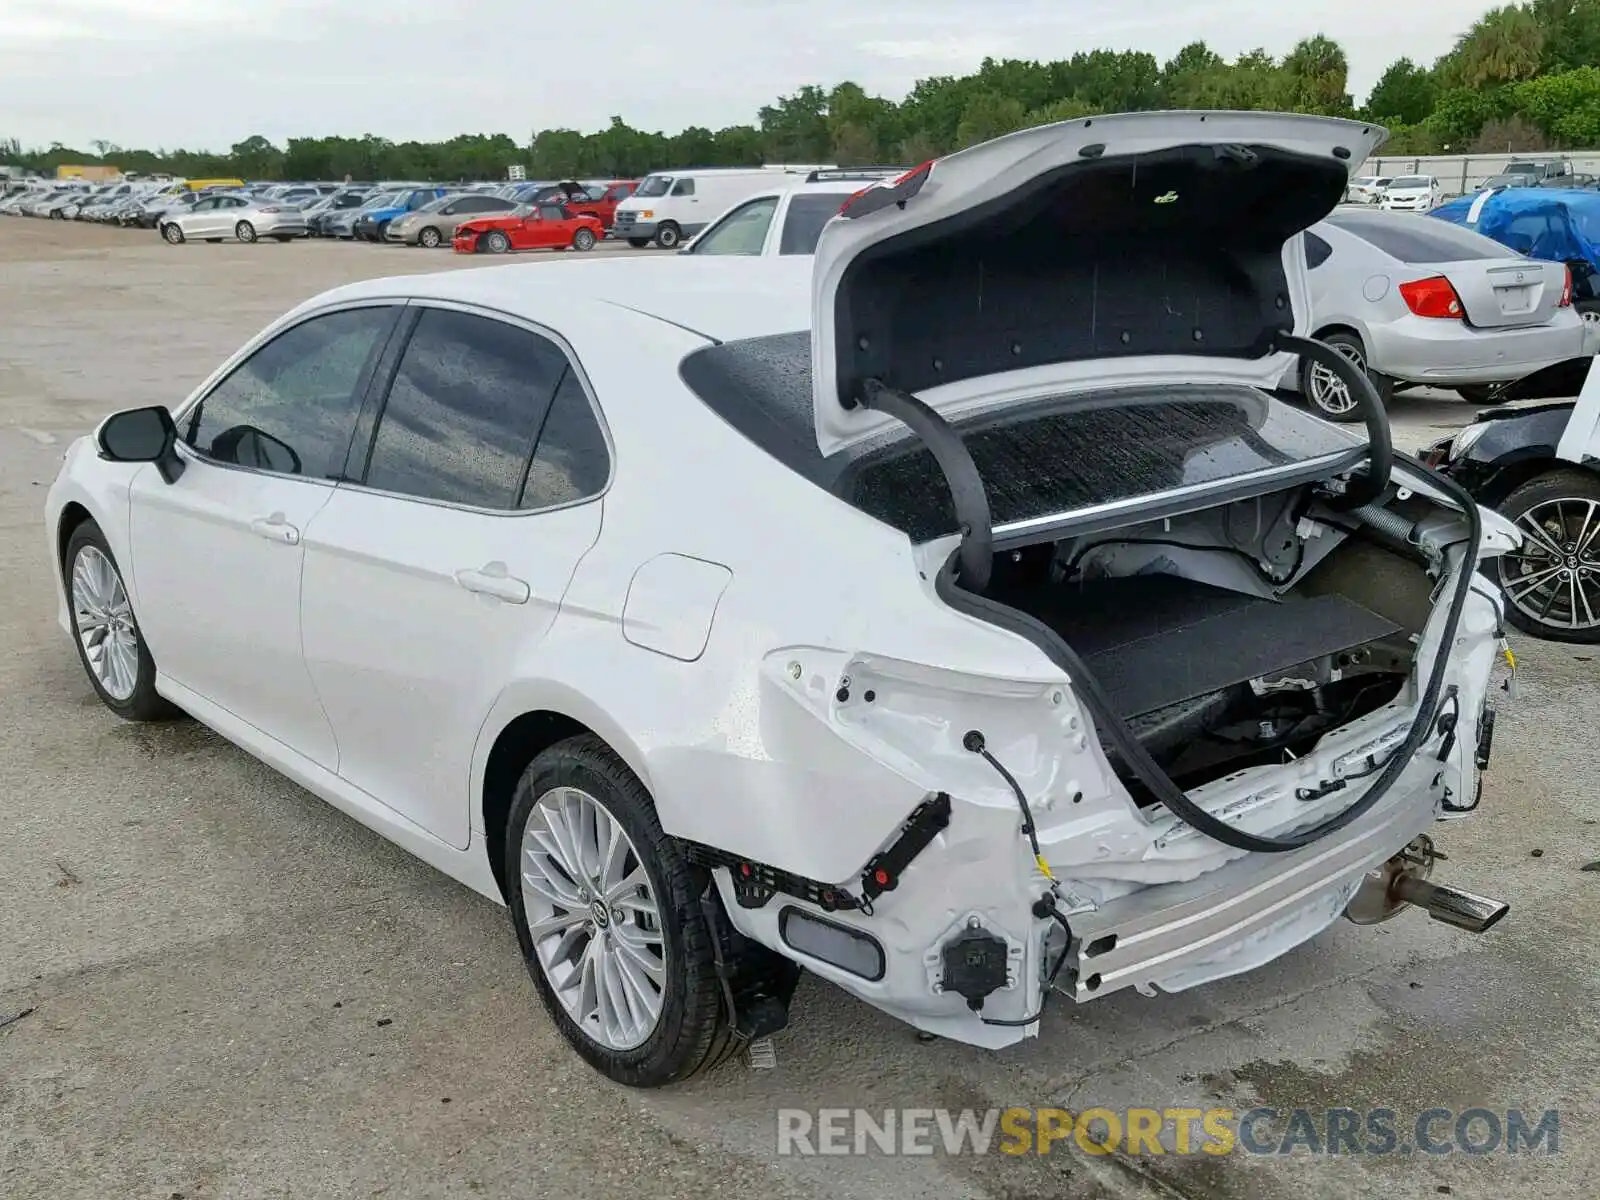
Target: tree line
<point x="1525" y="77"/>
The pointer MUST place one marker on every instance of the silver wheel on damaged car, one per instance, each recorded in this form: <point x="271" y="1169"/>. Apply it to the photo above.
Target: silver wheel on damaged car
<point x="593" y="918"/>
<point x="104" y="621"/>
<point x="1552" y="581"/>
<point x="1329" y="394"/>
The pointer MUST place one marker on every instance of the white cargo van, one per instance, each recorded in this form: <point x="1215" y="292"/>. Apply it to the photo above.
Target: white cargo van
<point x="669" y="206"/>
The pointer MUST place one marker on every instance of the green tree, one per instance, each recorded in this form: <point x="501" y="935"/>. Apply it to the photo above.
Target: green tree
<point x="1405" y="94"/>
<point x="1315" y="77"/>
<point x="1506" y="45"/>
<point x="1566" y="105"/>
<point x="989" y="115"/>
<point x="1459" y="115"/>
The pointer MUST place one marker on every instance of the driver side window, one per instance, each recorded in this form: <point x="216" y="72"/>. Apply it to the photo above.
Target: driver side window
<point x="744" y="231"/>
<point x="291" y="406"/>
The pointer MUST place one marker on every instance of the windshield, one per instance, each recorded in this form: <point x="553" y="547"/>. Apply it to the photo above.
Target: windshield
<point x="654" y="185"/>
<point x="436" y="204"/>
<point x="1524" y="169"/>
<point x="1409" y="181"/>
<point x="383" y="200"/>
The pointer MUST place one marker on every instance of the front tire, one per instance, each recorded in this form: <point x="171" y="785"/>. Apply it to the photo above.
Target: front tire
<point x="107" y="636"/>
<point x="583" y="240"/>
<point x="429" y="238"/>
<point x="1552" y="583"/>
<point x="668" y="236"/>
<point x="245" y="231"/>
<point x="1327" y="394"/>
<point x="606" y="909"/>
<point x="495" y="242"/>
<point x="172" y="234"/>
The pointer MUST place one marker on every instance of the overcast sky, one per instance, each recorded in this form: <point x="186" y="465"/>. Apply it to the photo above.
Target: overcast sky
<point x="208" y="73"/>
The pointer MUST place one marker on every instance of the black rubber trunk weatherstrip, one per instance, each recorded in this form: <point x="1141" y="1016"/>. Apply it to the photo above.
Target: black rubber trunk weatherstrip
<point x="1115" y="730"/>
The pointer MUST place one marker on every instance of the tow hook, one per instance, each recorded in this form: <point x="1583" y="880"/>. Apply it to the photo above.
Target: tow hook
<point x="1404" y="881"/>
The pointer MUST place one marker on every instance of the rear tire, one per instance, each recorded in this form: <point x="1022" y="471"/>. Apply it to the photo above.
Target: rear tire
<point x="1327" y="396"/>
<point x="381" y="233"/>
<point x="668" y="235"/>
<point x="1558" y="511"/>
<point x="245" y="232"/>
<point x="106" y="630"/>
<point x="593" y="935"/>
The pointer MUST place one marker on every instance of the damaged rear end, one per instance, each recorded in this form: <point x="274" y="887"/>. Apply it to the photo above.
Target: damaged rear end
<point x="1274" y="663"/>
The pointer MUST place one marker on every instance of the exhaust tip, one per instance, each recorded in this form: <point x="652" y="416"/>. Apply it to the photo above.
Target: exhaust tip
<point x="1454" y="906"/>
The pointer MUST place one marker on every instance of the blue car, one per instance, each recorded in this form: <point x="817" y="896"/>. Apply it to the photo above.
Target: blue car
<point x="372" y="225"/>
<point x="1554" y="224"/>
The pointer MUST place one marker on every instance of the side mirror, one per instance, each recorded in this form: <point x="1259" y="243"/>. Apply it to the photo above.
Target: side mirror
<point x="247" y="446"/>
<point x="142" y="435"/>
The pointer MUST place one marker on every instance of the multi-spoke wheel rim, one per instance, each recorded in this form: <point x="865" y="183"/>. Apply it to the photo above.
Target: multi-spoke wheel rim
<point x="106" y="630"/>
<point x="1554" y="578"/>
<point x="593" y="918"/>
<point x="1328" y="391"/>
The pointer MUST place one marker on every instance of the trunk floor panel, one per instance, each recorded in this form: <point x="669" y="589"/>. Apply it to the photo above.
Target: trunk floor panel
<point x="1157" y="640"/>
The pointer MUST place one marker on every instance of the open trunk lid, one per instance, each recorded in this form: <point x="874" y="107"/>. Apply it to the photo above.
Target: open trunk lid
<point x="1160" y="243"/>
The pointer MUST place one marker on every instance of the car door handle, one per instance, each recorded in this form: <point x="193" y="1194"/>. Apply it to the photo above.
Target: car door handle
<point x="492" y="579"/>
<point x="276" y="528"/>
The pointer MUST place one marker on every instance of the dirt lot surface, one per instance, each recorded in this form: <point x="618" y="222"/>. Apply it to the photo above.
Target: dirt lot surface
<point x="214" y="985"/>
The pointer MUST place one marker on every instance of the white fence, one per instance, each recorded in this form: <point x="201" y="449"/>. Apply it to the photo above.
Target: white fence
<point x="1459" y="174"/>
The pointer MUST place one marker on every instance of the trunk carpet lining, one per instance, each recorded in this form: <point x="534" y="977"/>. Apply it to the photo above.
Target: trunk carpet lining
<point x="1157" y="640"/>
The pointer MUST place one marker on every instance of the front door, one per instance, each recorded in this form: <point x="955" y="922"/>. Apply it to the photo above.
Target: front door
<point x="218" y="553"/>
<point x="429" y="585"/>
<point x="202" y="218"/>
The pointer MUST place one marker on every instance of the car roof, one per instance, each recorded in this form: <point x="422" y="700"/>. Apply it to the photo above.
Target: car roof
<point x="720" y="298"/>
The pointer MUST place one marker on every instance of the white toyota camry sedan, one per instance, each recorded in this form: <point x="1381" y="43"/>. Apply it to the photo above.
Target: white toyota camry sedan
<point x="955" y="615"/>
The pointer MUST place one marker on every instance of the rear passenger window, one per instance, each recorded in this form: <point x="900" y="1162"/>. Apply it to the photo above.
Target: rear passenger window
<point x="1317" y="251"/>
<point x="291" y="406"/>
<point x="464" y="410"/>
<point x="684" y="187"/>
<point x="802" y="225"/>
<point x="571" y="462"/>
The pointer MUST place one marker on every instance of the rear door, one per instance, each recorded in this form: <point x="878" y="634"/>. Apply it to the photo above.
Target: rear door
<point x="433" y="579"/>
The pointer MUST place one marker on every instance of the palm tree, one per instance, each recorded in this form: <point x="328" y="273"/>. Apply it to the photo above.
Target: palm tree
<point x="1505" y="46"/>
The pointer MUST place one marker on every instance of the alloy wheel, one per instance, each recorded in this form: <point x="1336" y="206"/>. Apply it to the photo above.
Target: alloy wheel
<point x="593" y="918"/>
<point x="104" y="621"/>
<point x="1330" y="393"/>
<point x="1554" y="578"/>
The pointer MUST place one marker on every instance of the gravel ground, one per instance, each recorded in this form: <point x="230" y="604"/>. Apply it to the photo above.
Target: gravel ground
<point x="212" y="984"/>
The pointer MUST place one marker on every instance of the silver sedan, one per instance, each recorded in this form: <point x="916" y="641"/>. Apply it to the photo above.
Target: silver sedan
<point x="1420" y="302"/>
<point x="216" y="218"/>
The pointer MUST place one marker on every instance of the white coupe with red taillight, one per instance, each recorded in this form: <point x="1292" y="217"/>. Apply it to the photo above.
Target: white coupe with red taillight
<point x="1423" y="303"/>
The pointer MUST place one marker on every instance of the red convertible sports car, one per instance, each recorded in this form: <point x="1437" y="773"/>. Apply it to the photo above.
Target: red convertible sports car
<point x="530" y="227"/>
